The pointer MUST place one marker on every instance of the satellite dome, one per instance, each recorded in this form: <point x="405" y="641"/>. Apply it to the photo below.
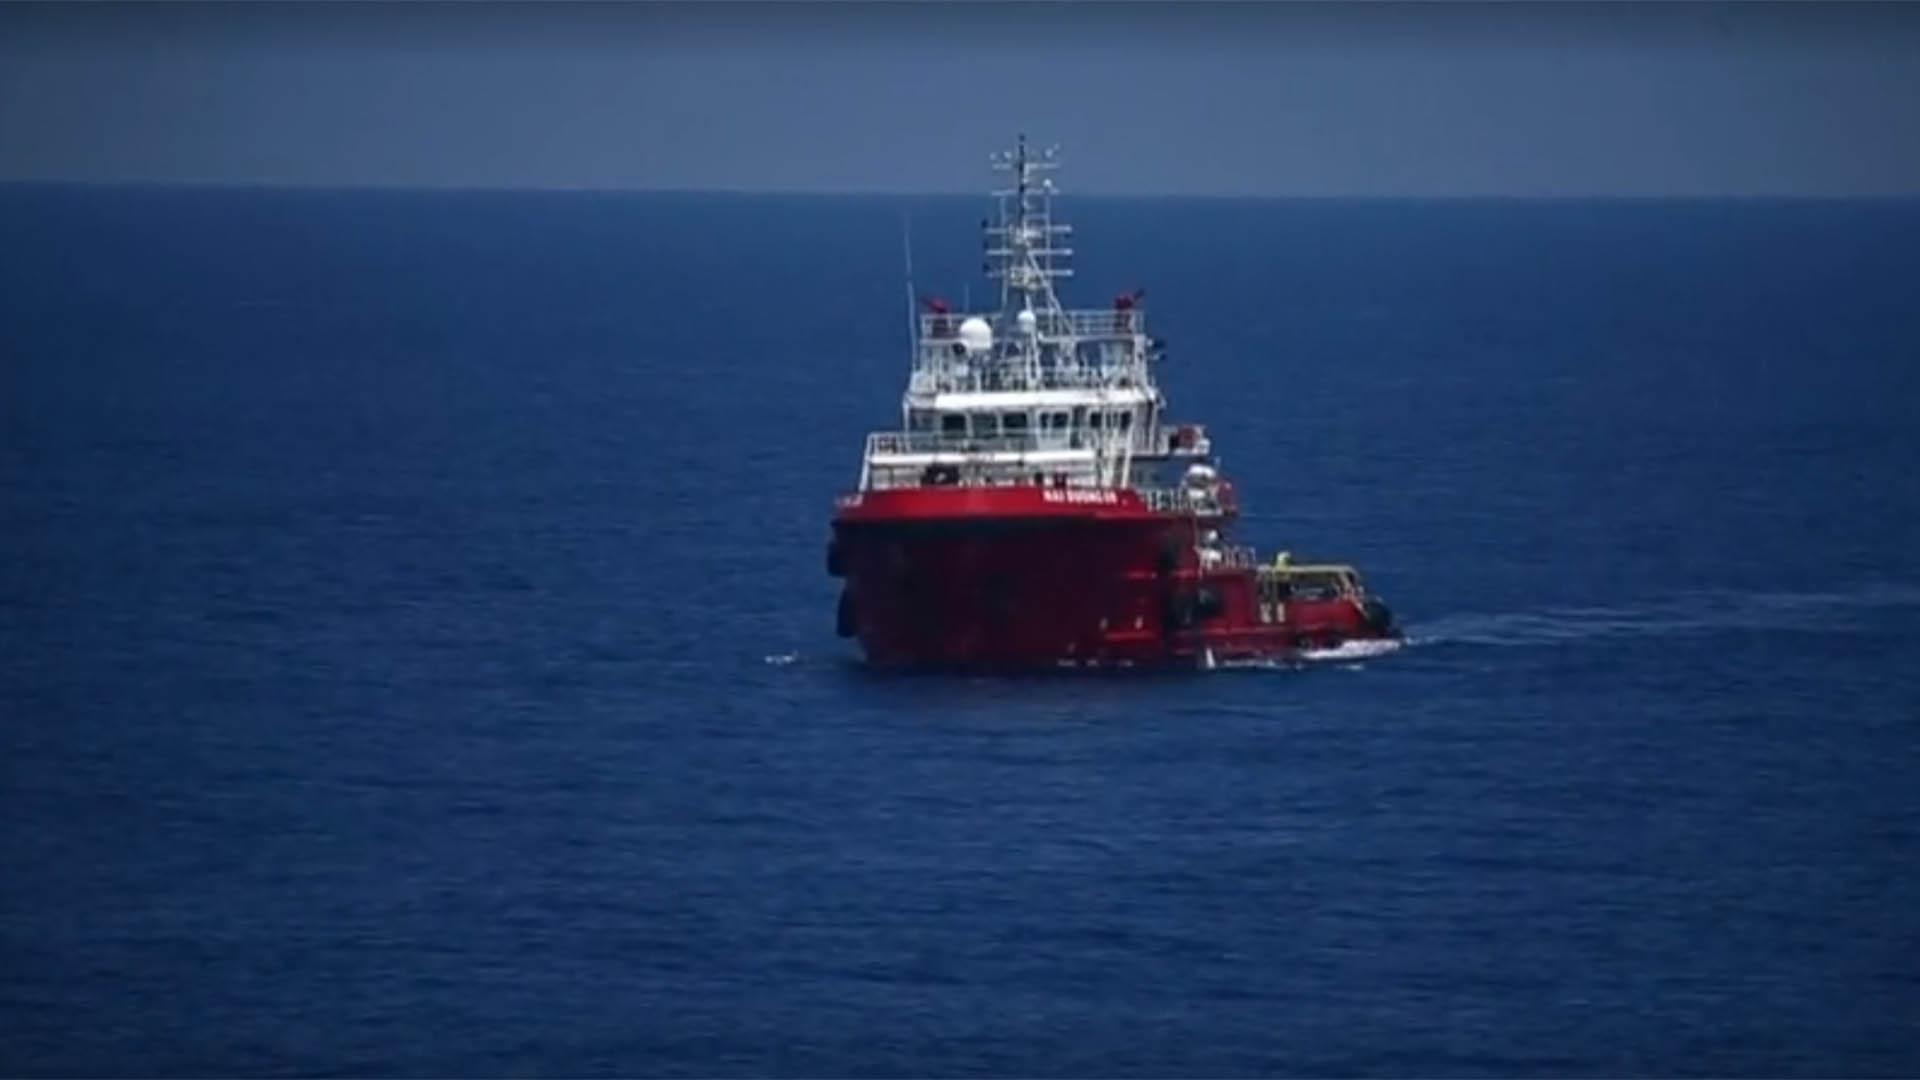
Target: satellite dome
<point x="976" y="336"/>
<point x="1027" y="321"/>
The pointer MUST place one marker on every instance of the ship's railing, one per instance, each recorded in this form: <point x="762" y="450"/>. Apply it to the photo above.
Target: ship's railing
<point x="1185" y="500"/>
<point x="886" y="476"/>
<point x="883" y="476"/>
<point x="1079" y="323"/>
<point x="931" y="442"/>
<point x="1228" y="557"/>
<point x="1179" y="440"/>
<point x="908" y="459"/>
<point x="933" y="377"/>
<point x="1310" y="582"/>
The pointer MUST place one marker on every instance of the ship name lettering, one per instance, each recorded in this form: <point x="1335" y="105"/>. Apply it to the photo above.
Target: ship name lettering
<point x="1068" y="495"/>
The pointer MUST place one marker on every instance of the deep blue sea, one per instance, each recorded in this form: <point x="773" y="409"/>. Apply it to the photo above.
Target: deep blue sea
<point x="416" y="654"/>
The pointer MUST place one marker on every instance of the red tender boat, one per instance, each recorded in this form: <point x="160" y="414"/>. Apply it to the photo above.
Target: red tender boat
<point x="1039" y="510"/>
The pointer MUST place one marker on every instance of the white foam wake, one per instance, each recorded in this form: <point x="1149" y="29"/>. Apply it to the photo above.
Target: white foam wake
<point x="1353" y="650"/>
<point x="1350" y="653"/>
<point x="1682" y="614"/>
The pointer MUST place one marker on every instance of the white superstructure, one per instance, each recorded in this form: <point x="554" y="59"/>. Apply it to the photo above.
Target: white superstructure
<point x="1033" y="389"/>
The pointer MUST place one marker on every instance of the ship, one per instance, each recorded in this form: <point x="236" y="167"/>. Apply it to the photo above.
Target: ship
<point x="1039" y="507"/>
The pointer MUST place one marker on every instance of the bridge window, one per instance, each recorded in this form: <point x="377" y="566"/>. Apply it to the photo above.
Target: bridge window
<point x="919" y="420"/>
<point x="986" y="425"/>
<point x="1013" y="423"/>
<point x="953" y="423"/>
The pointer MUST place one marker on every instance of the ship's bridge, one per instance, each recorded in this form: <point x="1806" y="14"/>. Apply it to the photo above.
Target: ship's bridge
<point x="1062" y="416"/>
<point x="1092" y="436"/>
<point x="1042" y="349"/>
<point x="1031" y="390"/>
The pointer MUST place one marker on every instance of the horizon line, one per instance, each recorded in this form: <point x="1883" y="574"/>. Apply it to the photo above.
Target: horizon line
<point x="1068" y="196"/>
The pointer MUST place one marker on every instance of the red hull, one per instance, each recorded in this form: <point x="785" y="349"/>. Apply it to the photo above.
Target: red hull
<point x="1021" y="577"/>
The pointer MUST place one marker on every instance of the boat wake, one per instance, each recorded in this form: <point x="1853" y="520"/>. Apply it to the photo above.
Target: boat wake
<point x="1352" y="650"/>
<point x="1699" y="613"/>
<point x="1348" y="653"/>
<point x="1863" y="610"/>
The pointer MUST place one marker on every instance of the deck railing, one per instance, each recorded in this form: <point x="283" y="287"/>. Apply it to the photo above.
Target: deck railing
<point x="1237" y="557"/>
<point x="933" y="442"/>
<point x="1052" y="441"/>
<point x="936" y="376"/>
<point x="1182" y="500"/>
<point x="1080" y="475"/>
<point x="1080" y="323"/>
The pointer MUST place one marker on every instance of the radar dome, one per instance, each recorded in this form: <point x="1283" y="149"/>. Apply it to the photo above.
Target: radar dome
<point x="1026" y="321"/>
<point x="976" y="336"/>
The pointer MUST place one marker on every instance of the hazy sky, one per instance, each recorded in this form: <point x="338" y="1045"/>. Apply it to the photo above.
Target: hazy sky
<point x="1348" y="99"/>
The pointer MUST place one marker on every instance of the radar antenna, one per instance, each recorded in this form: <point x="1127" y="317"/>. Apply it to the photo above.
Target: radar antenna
<point x="1023" y="250"/>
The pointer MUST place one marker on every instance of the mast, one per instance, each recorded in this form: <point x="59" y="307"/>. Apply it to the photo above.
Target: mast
<point x="913" y="304"/>
<point x="1021" y="249"/>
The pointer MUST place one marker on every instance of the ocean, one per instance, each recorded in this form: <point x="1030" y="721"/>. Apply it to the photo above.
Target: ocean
<point x="417" y="656"/>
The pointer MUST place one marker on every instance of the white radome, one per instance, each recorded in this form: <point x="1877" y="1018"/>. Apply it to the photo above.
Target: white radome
<point x="1027" y="321"/>
<point x="976" y="336"/>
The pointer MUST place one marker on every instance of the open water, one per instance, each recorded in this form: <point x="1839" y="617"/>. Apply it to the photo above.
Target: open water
<point x="416" y="655"/>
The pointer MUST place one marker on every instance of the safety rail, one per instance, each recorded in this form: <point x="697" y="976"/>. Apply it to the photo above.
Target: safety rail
<point x="932" y="442"/>
<point x="1237" y="557"/>
<point x="1080" y="323"/>
<point x="1181" y="500"/>
<point x="1079" y="474"/>
<point x="937" y="377"/>
<point x="883" y="477"/>
<point x="1052" y="441"/>
<point x="1310" y="582"/>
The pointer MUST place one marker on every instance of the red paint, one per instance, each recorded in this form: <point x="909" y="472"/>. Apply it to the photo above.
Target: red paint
<point x="1011" y="577"/>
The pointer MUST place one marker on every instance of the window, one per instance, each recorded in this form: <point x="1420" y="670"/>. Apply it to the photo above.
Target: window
<point x="954" y="424"/>
<point x="1093" y="421"/>
<point x="919" y="420"/>
<point x="1126" y="421"/>
<point x="986" y="425"/>
<point x="1013" y="423"/>
<point x="1061" y="420"/>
